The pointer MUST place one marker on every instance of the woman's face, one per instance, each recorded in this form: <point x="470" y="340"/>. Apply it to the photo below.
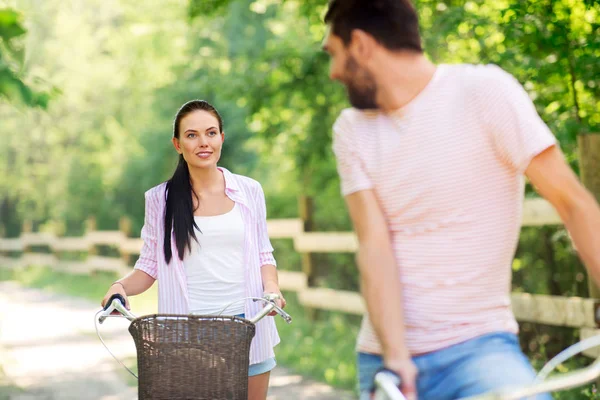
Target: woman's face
<point x="200" y="140"/>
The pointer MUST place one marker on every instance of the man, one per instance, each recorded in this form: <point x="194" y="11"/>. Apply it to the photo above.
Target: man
<point x="431" y="160"/>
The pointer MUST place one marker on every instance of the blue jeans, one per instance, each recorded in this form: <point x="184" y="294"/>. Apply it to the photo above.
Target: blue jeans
<point x="485" y="363"/>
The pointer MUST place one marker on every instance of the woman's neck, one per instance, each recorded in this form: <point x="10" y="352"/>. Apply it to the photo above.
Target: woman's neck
<point x="206" y="180"/>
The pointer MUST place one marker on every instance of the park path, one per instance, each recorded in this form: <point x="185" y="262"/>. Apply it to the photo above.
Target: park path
<point x="49" y="351"/>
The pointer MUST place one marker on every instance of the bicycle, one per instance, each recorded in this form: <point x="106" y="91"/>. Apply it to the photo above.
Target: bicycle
<point x="386" y="383"/>
<point x="192" y="357"/>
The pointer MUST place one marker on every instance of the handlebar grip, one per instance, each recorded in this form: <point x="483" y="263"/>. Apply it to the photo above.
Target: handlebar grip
<point x="386" y="385"/>
<point x="287" y="317"/>
<point x="113" y="297"/>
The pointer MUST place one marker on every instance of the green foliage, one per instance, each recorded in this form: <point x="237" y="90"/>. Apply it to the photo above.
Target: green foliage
<point x="206" y="8"/>
<point x="260" y="63"/>
<point x="12" y="53"/>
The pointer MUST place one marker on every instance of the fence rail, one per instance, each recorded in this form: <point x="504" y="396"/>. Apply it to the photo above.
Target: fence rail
<point x="552" y="310"/>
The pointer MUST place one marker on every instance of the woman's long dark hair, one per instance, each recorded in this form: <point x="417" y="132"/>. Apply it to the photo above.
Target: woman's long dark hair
<point x="179" y="212"/>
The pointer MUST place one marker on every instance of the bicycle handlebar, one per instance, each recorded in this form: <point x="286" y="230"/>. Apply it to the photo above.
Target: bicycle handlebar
<point x="117" y="303"/>
<point x="386" y="385"/>
<point x="270" y="299"/>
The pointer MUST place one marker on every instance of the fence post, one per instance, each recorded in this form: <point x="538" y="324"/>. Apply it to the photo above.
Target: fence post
<point x="125" y="228"/>
<point x="306" y="211"/>
<point x="59" y="231"/>
<point x="589" y="165"/>
<point x="90" y="226"/>
<point x="2" y="236"/>
<point x="27" y="227"/>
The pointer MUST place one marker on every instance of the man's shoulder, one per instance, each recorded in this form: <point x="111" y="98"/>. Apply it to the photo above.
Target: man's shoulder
<point x="479" y="76"/>
<point x="475" y="70"/>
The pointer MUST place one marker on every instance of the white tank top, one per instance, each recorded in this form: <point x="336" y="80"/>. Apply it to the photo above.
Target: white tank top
<point x="214" y="266"/>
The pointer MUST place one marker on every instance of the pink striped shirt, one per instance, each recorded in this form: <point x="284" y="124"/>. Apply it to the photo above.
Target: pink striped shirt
<point x="447" y="170"/>
<point x="172" y="288"/>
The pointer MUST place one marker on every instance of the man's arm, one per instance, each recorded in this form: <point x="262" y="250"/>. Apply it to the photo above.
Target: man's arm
<point x="554" y="180"/>
<point x="381" y="283"/>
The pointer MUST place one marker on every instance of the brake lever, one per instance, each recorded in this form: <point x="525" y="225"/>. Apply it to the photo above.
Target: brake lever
<point x="270" y="298"/>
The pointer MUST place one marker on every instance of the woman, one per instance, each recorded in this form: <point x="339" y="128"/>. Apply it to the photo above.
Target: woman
<point x="218" y="250"/>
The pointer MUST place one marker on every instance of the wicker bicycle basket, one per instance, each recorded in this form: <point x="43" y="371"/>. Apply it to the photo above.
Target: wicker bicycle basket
<point x="192" y="357"/>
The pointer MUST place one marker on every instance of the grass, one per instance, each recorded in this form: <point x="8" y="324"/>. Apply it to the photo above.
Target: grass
<point x="7" y="389"/>
<point x="131" y="363"/>
<point x="90" y="287"/>
<point x="322" y="349"/>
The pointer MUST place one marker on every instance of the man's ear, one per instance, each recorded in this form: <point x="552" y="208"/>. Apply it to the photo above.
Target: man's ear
<point x="176" y="145"/>
<point x="361" y="46"/>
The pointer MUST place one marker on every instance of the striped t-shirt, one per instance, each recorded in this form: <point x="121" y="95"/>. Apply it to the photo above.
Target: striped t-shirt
<point x="447" y="170"/>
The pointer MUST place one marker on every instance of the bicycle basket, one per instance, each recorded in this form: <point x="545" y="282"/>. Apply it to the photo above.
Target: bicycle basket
<point x="192" y="357"/>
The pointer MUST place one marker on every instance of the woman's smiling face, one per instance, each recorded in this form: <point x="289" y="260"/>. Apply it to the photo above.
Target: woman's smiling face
<point x="200" y="141"/>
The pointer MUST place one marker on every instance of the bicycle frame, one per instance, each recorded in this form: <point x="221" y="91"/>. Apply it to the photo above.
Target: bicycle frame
<point x="564" y="381"/>
<point x="387" y="388"/>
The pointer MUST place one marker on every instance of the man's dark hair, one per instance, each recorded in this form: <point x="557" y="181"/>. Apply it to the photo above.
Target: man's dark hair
<point x="393" y="23"/>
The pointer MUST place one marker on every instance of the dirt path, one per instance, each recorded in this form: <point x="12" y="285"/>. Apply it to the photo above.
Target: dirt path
<point x="49" y="351"/>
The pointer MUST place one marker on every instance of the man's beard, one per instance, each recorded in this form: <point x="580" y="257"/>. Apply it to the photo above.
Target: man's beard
<point x="360" y="85"/>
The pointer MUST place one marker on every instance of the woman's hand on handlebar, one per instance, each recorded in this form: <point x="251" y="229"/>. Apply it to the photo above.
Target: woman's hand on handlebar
<point x="280" y="302"/>
<point x="115" y="288"/>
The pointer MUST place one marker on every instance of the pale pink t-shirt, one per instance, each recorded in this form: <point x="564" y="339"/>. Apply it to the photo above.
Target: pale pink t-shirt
<point x="447" y="170"/>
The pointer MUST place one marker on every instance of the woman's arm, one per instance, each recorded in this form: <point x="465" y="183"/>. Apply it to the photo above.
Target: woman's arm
<point x="268" y="269"/>
<point x="145" y="271"/>
<point x="271" y="283"/>
<point x="134" y="283"/>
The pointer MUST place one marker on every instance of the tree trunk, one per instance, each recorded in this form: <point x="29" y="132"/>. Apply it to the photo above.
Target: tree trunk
<point x="589" y="164"/>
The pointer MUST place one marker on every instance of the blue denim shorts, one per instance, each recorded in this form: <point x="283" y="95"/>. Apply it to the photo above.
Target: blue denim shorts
<point x="479" y="365"/>
<point x="262" y="367"/>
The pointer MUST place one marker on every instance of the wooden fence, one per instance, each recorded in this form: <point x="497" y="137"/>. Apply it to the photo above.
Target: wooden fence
<point x="572" y="312"/>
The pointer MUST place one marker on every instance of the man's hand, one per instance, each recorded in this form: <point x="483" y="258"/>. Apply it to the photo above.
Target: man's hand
<point x="407" y="370"/>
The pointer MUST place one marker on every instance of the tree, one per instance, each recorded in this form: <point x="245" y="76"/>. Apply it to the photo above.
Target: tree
<point x="12" y="86"/>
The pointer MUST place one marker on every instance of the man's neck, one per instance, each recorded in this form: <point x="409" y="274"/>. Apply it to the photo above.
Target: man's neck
<point x="401" y="79"/>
